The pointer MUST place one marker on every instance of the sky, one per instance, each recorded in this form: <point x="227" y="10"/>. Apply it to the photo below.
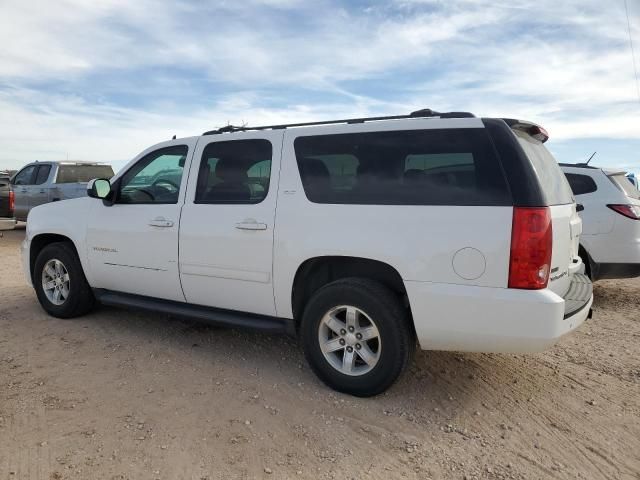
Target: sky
<point x="103" y="80"/>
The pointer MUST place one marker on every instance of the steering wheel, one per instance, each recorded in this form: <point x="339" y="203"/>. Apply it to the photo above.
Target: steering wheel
<point x="164" y="180"/>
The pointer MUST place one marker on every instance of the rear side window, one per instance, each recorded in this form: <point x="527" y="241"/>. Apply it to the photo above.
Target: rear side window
<point x="623" y="183"/>
<point x="43" y="174"/>
<point x="82" y="173"/>
<point x="234" y="172"/>
<point x="413" y="167"/>
<point x="581" y="184"/>
<point x="551" y="177"/>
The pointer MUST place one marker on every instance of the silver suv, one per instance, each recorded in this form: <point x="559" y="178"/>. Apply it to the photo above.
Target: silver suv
<point x="44" y="182"/>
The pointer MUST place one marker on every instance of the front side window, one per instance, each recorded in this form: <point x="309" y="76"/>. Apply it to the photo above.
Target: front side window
<point x="25" y="177"/>
<point x="155" y="178"/>
<point x="414" y="167"/>
<point x="234" y="172"/>
<point x="43" y="174"/>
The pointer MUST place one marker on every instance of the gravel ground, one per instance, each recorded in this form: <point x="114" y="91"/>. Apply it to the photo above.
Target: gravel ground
<point x="129" y="395"/>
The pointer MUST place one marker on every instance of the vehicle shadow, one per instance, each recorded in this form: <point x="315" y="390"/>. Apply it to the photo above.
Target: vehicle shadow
<point x="433" y="380"/>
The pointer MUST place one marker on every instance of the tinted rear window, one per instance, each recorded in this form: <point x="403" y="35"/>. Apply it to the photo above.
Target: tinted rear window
<point x="413" y="167"/>
<point x="83" y="173"/>
<point x="581" y="184"/>
<point x="623" y="183"/>
<point x="551" y="177"/>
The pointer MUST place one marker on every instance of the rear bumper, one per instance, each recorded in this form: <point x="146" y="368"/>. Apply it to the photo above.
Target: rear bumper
<point x="501" y="320"/>
<point x="7" y="223"/>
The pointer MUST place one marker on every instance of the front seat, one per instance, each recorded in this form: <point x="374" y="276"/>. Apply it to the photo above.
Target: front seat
<point x="233" y="186"/>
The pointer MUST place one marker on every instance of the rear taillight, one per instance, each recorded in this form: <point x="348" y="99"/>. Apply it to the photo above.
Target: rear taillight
<point x="12" y="202"/>
<point x="629" y="211"/>
<point x="531" y="244"/>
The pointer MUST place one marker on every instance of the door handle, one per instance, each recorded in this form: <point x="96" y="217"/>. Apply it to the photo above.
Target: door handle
<point x="161" y="222"/>
<point x="251" y="224"/>
<point x="43" y="191"/>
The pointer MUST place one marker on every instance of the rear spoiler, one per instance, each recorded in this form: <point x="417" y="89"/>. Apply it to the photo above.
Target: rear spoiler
<point x="610" y="171"/>
<point x="533" y="129"/>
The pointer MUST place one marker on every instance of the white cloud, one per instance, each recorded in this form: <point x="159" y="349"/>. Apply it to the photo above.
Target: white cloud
<point x="564" y="64"/>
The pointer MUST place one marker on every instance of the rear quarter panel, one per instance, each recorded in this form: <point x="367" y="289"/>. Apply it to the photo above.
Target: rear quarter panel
<point x="421" y="242"/>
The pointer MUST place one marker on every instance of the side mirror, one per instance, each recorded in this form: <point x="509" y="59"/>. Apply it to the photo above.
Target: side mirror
<point x="99" y="188"/>
<point x="579" y="207"/>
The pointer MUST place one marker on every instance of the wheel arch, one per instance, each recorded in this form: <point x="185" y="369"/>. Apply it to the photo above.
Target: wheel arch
<point x="589" y="264"/>
<point x="315" y="272"/>
<point x="40" y="241"/>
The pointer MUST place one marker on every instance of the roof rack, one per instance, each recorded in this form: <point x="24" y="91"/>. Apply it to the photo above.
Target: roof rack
<point x="425" y="112"/>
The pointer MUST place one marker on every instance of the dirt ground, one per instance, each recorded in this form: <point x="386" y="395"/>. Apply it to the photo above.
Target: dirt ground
<point x="129" y="395"/>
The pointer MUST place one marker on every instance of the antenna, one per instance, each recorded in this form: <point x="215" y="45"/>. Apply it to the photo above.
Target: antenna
<point x="592" y="155"/>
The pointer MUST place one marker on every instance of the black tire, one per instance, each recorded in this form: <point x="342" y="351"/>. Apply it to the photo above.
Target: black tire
<point x="80" y="299"/>
<point x="385" y="309"/>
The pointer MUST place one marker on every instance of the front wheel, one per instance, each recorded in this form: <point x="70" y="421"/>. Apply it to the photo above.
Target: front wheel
<point x="356" y="336"/>
<point x="59" y="281"/>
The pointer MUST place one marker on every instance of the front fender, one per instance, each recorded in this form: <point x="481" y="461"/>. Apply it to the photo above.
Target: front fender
<point x="68" y="219"/>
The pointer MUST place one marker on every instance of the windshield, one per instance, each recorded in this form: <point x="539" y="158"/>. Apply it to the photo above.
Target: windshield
<point x="623" y="183"/>
<point x="552" y="180"/>
<point x="83" y="173"/>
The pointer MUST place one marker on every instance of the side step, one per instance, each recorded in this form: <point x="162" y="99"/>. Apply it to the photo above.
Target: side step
<point x="213" y="316"/>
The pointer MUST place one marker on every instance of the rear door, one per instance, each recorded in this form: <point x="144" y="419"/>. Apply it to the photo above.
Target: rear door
<point x="566" y="223"/>
<point x="227" y="223"/>
<point x="42" y="186"/>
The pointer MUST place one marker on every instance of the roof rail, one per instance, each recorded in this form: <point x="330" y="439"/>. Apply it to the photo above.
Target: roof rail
<point x="426" y="112"/>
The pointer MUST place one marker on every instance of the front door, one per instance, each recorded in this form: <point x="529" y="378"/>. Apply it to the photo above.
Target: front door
<point x="22" y="190"/>
<point x="133" y="244"/>
<point x="226" y="230"/>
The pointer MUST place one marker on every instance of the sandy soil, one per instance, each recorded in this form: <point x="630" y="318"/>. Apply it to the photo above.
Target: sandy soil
<point x="127" y="395"/>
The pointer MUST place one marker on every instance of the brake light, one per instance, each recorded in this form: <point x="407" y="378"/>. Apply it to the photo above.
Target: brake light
<point x="629" y="211"/>
<point x="12" y="202"/>
<point x="539" y="133"/>
<point x="531" y="245"/>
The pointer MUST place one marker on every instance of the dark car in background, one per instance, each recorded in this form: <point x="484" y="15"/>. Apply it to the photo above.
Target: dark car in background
<point x="7" y="221"/>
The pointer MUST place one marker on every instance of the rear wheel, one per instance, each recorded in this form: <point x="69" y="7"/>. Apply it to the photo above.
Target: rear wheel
<point x="59" y="281"/>
<point x="356" y="336"/>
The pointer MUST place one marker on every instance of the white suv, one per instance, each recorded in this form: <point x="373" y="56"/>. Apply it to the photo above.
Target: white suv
<point x="610" y="211"/>
<point x="357" y="235"/>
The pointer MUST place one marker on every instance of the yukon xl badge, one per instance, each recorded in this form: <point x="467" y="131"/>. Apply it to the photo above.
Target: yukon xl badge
<point x="105" y="249"/>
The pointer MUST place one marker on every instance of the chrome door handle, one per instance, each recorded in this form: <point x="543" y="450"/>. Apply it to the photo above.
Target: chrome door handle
<point x="161" y="222"/>
<point x="251" y="225"/>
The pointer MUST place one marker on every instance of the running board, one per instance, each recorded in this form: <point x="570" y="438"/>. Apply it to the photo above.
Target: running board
<point x="211" y="315"/>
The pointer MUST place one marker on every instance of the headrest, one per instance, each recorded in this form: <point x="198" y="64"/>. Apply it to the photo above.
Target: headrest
<point x="231" y="169"/>
<point x="313" y="167"/>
